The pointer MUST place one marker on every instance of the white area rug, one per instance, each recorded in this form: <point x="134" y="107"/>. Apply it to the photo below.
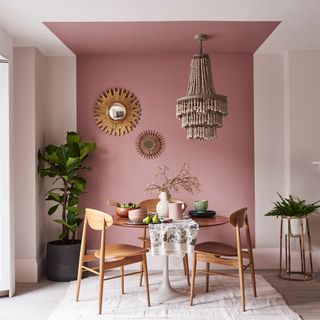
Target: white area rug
<point x="222" y="302"/>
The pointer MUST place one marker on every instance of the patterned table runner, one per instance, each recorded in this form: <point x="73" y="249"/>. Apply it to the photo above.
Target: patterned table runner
<point x="178" y="237"/>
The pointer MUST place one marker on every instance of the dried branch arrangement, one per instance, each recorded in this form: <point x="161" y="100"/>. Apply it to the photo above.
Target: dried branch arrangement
<point x="183" y="180"/>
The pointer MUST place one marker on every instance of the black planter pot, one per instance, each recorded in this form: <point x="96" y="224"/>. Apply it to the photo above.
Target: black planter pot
<point x="62" y="260"/>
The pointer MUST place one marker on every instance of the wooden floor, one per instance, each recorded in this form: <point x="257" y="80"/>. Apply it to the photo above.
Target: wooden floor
<point x="302" y="296"/>
<point x="35" y="301"/>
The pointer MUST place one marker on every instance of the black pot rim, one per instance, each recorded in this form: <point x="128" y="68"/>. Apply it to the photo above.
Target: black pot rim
<point x="62" y="243"/>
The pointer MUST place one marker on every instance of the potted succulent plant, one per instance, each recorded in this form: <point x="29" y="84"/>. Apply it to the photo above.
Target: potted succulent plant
<point x="293" y="209"/>
<point x="63" y="164"/>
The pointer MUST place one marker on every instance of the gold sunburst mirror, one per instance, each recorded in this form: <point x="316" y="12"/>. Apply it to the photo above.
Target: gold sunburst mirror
<point x="117" y="111"/>
<point x="150" y="144"/>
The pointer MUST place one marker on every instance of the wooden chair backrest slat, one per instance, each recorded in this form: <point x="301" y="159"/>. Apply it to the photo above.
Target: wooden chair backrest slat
<point x="98" y="220"/>
<point x="238" y="218"/>
<point x="150" y="204"/>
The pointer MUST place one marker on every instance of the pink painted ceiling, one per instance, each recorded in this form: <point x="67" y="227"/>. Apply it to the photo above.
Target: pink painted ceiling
<point x="161" y="37"/>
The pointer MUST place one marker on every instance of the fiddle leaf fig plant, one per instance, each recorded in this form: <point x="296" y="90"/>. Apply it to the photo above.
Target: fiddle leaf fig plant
<point x="63" y="164"/>
<point x="293" y="207"/>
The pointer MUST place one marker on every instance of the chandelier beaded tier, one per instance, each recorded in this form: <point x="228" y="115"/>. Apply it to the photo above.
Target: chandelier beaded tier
<point x="202" y="109"/>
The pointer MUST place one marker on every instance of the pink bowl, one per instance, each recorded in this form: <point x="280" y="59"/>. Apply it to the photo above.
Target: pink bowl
<point x="122" y="212"/>
<point x="137" y="215"/>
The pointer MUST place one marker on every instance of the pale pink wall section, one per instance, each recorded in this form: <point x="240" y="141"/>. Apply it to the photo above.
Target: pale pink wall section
<point x="225" y="167"/>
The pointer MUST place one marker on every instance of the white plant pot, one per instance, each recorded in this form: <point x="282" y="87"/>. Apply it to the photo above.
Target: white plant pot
<point x="295" y="225"/>
<point x="162" y="207"/>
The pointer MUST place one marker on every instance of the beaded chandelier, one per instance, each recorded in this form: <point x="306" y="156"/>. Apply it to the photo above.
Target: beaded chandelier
<point x="202" y="109"/>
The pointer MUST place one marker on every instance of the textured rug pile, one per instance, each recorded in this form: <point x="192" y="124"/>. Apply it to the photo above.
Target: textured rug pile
<point x="222" y="302"/>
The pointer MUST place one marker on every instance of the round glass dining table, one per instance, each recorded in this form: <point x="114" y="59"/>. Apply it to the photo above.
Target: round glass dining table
<point x="166" y="293"/>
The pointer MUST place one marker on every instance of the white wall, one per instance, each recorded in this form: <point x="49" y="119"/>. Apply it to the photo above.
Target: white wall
<point x="45" y="109"/>
<point x="269" y="144"/>
<point x="61" y="113"/>
<point x="40" y="132"/>
<point x="304" y="90"/>
<point x="6" y="180"/>
<point x="29" y="136"/>
<point x="287" y="140"/>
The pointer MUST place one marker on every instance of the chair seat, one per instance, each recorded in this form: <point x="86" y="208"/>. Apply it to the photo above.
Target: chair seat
<point x="144" y="239"/>
<point x="120" y="251"/>
<point x="217" y="248"/>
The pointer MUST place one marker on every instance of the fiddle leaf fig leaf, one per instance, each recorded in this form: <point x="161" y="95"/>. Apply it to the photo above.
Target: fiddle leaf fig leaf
<point x="53" y="209"/>
<point x="73" y="137"/>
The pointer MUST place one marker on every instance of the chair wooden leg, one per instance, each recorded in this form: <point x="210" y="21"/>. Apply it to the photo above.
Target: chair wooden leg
<point x="253" y="278"/>
<point x="101" y="276"/>
<point x="81" y="258"/>
<point x="143" y="245"/>
<point x="207" y="277"/>
<point x="194" y="267"/>
<point x="122" y="279"/>
<point x="186" y="264"/>
<point x="145" y="271"/>
<point x="79" y="280"/>
<point x="241" y="278"/>
<point x="141" y="274"/>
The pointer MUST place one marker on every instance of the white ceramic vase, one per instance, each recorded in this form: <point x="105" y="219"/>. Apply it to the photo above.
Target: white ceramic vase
<point x="295" y="226"/>
<point x="162" y="207"/>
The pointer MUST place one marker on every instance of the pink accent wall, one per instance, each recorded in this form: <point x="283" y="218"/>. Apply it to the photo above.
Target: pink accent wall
<point x="225" y="166"/>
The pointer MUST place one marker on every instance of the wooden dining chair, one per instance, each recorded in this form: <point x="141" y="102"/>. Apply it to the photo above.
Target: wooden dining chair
<point x="150" y="205"/>
<point x="224" y="254"/>
<point x="109" y="256"/>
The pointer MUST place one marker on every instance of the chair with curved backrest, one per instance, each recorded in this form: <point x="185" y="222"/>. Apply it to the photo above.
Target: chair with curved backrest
<point x="220" y="253"/>
<point x="150" y="205"/>
<point x="113" y="256"/>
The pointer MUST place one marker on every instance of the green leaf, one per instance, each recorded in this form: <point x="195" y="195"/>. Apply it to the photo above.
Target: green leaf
<point x="62" y="153"/>
<point x="64" y="235"/>
<point x="62" y="222"/>
<point x="53" y="209"/>
<point x="53" y="158"/>
<point x="51" y="172"/>
<point x="86" y="149"/>
<point x="78" y="180"/>
<point x="74" y="150"/>
<point x="73" y="137"/>
<point x="72" y="201"/>
<point x="73" y="209"/>
<point x="73" y="163"/>
<point x="41" y="156"/>
<point x="81" y="187"/>
<point x="75" y="191"/>
<point x="50" y="148"/>
<point x="55" y="196"/>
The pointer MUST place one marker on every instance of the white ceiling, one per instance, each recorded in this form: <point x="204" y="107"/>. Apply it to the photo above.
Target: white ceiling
<point x="300" y="27"/>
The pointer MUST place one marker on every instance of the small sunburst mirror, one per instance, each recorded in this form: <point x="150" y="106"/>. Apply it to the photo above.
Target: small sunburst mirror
<point x="150" y="144"/>
<point x="117" y="111"/>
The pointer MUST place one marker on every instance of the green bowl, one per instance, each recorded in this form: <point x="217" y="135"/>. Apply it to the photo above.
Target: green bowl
<point x="201" y="205"/>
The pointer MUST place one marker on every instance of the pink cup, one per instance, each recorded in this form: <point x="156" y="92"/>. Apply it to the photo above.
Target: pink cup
<point x="176" y="210"/>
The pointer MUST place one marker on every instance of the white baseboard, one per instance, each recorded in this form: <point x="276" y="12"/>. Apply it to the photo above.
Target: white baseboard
<point x="30" y="270"/>
<point x="268" y="258"/>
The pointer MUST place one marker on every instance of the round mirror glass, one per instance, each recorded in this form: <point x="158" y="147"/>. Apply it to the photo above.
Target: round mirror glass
<point x="117" y="111"/>
<point x="149" y="144"/>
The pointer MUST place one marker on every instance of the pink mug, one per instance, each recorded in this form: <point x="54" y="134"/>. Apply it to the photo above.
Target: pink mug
<point x="175" y="210"/>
